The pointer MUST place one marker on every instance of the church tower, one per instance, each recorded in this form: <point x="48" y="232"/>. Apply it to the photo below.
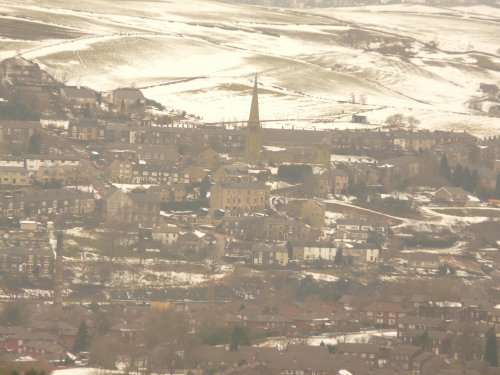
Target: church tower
<point x="252" y="134"/>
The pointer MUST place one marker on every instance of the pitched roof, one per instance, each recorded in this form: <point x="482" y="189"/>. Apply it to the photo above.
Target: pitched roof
<point x="384" y="307"/>
<point x="128" y="94"/>
<point x="20" y="124"/>
<point x="5" y="169"/>
<point x="454" y="191"/>
<point x="357" y="348"/>
<point x="294" y="137"/>
<point x="79" y="92"/>
<point x="409" y="350"/>
<point x="421" y="321"/>
<point x="51" y="157"/>
<point x="422" y="357"/>
<point x="52" y="194"/>
<point x="23" y="250"/>
<point x="144" y="197"/>
<point x="245" y="185"/>
<point x="401" y="160"/>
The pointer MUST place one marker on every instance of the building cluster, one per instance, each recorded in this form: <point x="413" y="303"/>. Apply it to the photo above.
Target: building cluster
<point x="264" y="199"/>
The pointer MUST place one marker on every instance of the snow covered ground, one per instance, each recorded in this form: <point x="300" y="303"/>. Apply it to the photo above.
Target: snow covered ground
<point x="319" y="276"/>
<point x="133" y="273"/>
<point x="85" y="371"/>
<point x="201" y="56"/>
<point x="329" y="339"/>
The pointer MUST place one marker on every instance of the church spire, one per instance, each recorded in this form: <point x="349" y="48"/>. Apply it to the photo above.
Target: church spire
<point x="253" y="119"/>
<point x="252" y="134"/>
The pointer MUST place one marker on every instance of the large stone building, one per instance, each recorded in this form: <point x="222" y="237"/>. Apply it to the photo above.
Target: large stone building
<point x="23" y="260"/>
<point x="18" y="132"/>
<point x="46" y="202"/>
<point x="141" y="209"/>
<point x="241" y="197"/>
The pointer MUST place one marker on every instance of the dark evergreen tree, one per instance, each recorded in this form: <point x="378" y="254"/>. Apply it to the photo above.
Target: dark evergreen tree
<point x="497" y="188"/>
<point x="239" y="337"/>
<point x="338" y="256"/>
<point x="289" y="248"/>
<point x="457" y="176"/>
<point x="205" y="187"/>
<point x="474" y="180"/>
<point x="35" y="144"/>
<point x="490" y="350"/>
<point x="422" y="340"/>
<point x="466" y="182"/>
<point x="87" y="112"/>
<point x="82" y="339"/>
<point x="444" y="168"/>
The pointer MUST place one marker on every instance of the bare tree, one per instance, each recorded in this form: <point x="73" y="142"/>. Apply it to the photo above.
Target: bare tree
<point x="412" y="121"/>
<point x="395" y="120"/>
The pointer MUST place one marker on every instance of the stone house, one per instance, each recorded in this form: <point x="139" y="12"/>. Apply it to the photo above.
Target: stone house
<point x="384" y="314"/>
<point x="166" y="234"/>
<point x="403" y="356"/>
<point x="157" y="173"/>
<point x="468" y="340"/>
<point x="14" y="176"/>
<point x="86" y="130"/>
<point x="169" y="192"/>
<point x="357" y="230"/>
<point x="35" y="162"/>
<point x="425" y="261"/>
<point x="127" y="99"/>
<point x="309" y="211"/>
<point x="241" y="197"/>
<point x="120" y="171"/>
<point x="141" y="209"/>
<point x="18" y="132"/>
<point x="399" y="169"/>
<point x="79" y="97"/>
<point x="368" y="353"/>
<point x="25" y="260"/>
<point x="47" y="202"/>
<point x="360" y="254"/>
<point x="452" y="195"/>
<point x="414" y="141"/>
<point x="332" y="181"/>
<point x="262" y="255"/>
<point x="65" y="174"/>
<point x="190" y="242"/>
<point x="196" y="173"/>
<point x="313" y="251"/>
<point x="233" y="173"/>
<point x="306" y="146"/>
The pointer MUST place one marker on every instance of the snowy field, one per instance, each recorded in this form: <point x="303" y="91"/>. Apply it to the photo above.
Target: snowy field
<point x="328" y="339"/>
<point x="200" y="56"/>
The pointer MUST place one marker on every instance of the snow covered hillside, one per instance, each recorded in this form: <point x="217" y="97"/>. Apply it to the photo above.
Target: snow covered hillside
<point x="200" y="56"/>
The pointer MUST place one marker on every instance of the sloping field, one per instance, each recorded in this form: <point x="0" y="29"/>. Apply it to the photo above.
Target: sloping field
<point x="200" y="56"/>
